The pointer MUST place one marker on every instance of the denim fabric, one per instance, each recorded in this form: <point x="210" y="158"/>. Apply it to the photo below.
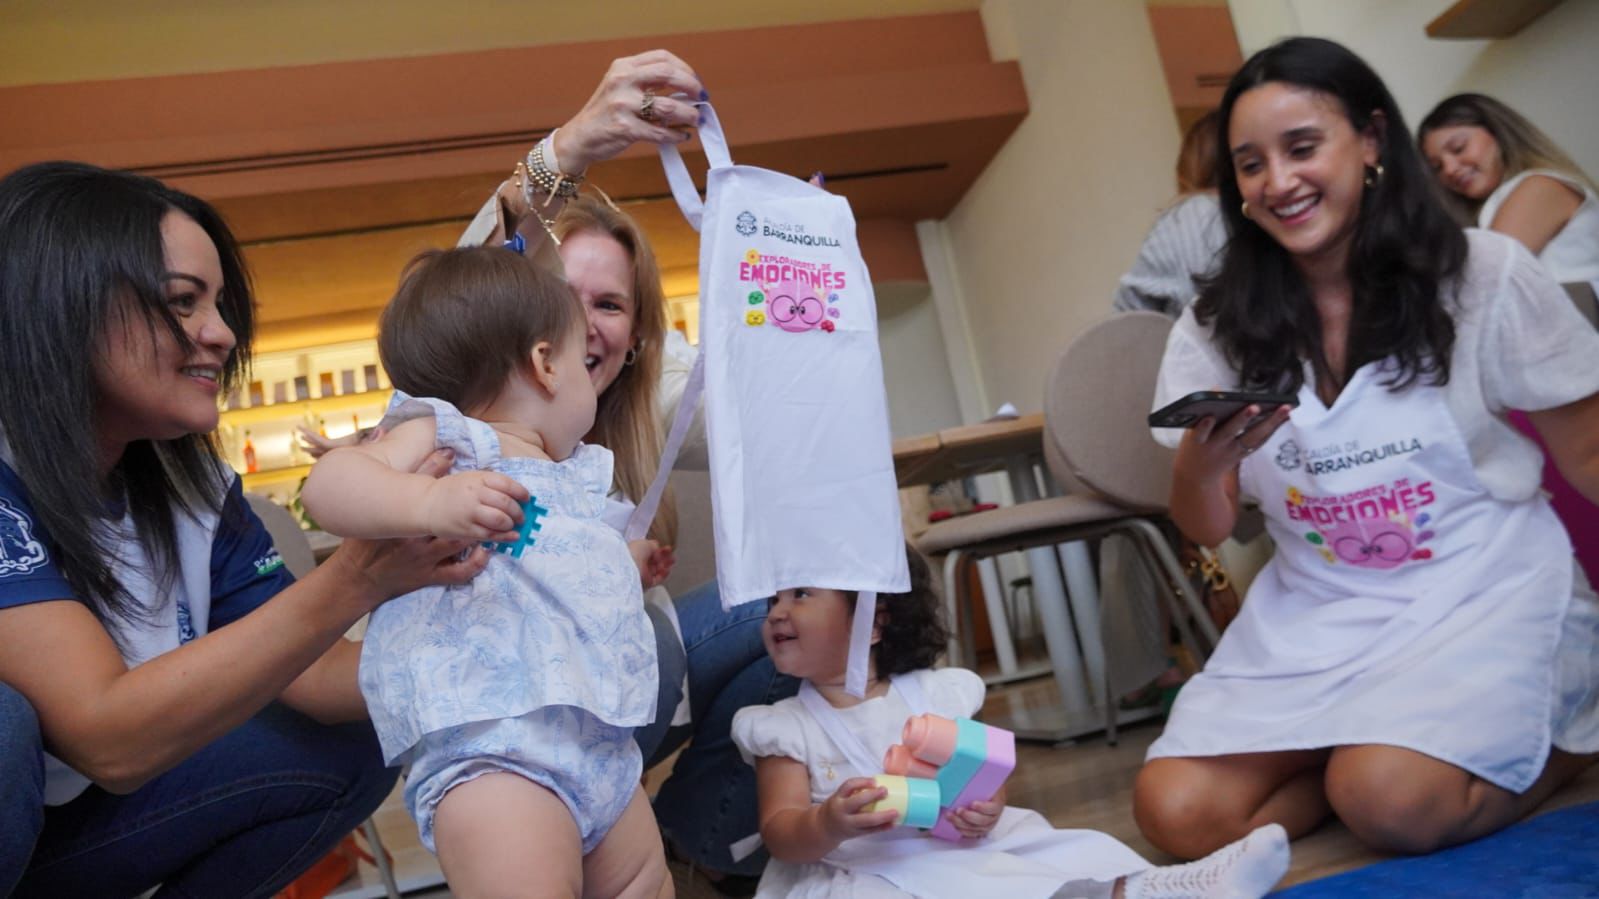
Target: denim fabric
<point x="240" y="818"/>
<point x="709" y="801"/>
<point x="21" y="786"/>
<point x="671" y="660"/>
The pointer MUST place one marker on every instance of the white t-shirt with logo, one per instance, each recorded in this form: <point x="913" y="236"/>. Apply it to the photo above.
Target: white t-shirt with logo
<point x="1520" y="344"/>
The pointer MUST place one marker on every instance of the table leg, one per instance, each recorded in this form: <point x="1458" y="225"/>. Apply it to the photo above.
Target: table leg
<point x="1082" y="589"/>
<point x="1049" y="592"/>
<point x="994" y="602"/>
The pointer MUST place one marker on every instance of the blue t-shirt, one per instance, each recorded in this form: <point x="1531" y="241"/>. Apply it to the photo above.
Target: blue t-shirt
<point x="226" y="568"/>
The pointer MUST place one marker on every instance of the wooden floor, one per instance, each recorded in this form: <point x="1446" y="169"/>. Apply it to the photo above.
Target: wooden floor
<point x="1087" y="784"/>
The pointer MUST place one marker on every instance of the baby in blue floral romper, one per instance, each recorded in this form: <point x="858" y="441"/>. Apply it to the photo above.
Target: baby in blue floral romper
<point x="513" y="697"/>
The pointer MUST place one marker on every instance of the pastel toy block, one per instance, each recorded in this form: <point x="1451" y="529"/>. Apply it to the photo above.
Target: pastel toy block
<point x="930" y="738"/>
<point x="999" y="760"/>
<point x="972" y="760"/>
<point x="532" y="521"/>
<point x="899" y="761"/>
<point x="914" y="798"/>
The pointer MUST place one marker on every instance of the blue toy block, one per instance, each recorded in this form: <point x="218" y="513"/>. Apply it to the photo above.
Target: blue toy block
<point x="532" y="515"/>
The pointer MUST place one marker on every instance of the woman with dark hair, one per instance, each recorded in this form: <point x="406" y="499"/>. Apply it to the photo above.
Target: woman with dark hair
<point x="1416" y="657"/>
<point x="204" y="727"/>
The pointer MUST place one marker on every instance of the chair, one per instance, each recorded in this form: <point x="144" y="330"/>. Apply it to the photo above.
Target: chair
<point x="291" y="543"/>
<point x="1097" y="445"/>
<point x="287" y="537"/>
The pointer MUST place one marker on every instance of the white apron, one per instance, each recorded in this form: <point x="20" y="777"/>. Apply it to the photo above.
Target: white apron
<point x="803" y="492"/>
<point x="1023" y="857"/>
<point x="1404" y="605"/>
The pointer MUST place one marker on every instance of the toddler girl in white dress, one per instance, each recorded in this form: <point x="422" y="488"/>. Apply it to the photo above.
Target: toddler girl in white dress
<point x="513" y="697"/>
<point x="812" y="794"/>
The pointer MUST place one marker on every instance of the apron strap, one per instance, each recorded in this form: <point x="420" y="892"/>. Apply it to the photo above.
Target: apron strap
<point x="683" y="189"/>
<point x="638" y="523"/>
<point x="833" y="725"/>
<point x="912" y="693"/>
<point x="860" y="644"/>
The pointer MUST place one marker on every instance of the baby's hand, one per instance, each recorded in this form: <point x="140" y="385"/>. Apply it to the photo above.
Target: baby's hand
<point x="976" y="819"/>
<point x="842" y="815"/>
<point x="474" y="505"/>
<point x="654" y="561"/>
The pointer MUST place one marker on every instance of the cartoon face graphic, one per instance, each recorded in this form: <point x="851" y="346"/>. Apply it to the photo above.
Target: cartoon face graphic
<point x="795" y="313"/>
<point x="1380" y="543"/>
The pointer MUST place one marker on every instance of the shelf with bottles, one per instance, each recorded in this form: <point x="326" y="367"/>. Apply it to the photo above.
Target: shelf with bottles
<point x="258" y="429"/>
<point x="322" y="406"/>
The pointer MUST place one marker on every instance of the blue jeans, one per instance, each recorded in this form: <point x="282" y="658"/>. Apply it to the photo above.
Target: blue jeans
<point x="240" y="818"/>
<point x="21" y="786"/>
<point x="709" y="801"/>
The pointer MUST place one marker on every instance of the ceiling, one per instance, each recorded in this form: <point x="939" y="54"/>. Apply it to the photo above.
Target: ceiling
<point x="55" y="41"/>
<point x="335" y="174"/>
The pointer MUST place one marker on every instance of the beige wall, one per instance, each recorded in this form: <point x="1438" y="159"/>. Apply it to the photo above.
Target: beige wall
<point x="1548" y="72"/>
<point x="1031" y="255"/>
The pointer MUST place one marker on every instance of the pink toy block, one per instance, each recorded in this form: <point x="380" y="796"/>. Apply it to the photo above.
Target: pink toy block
<point x="900" y="761"/>
<point x="968" y="760"/>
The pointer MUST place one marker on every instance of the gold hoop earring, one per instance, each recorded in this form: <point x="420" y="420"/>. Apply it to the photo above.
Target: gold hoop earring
<point x="631" y="357"/>
<point x="1245" y="208"/>
<point x="1373" y="174"/>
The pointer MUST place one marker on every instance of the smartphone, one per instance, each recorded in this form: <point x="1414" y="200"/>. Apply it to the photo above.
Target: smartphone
<point x="1218" y="404"/>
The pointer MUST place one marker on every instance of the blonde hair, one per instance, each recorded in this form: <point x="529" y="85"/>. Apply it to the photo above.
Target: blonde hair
<point x="1522" y="145"/>
<point x="627" y="421"/>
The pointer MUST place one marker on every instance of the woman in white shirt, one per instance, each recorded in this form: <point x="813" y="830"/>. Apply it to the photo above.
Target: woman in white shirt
<point x="1416" y="658"/>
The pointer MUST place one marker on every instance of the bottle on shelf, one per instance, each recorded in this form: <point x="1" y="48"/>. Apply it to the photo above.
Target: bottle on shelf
<point x="322" y="426"/>
<point x="250" y="466"/>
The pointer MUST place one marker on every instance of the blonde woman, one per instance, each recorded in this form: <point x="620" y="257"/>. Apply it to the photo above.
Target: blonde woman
<point x="1504" y="174"/>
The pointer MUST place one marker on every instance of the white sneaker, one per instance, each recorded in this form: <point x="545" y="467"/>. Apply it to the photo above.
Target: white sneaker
<point x="1245" y="869"/>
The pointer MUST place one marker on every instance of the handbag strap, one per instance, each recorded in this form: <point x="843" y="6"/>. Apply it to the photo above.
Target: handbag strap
<point x="683" y="189"/>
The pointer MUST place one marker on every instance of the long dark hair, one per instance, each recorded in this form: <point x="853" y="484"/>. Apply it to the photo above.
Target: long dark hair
<point x="80" y="254"/>
<point x="1406" y="247"/>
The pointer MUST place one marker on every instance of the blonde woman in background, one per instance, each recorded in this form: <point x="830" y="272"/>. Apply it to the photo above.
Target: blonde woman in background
<point x="1502" y="173"/>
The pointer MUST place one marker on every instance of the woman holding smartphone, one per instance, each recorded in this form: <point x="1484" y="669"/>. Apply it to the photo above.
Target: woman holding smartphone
<point x="1416" y="657"/>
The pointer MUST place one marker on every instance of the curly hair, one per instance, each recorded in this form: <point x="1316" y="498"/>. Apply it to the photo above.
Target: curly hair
<point x="912" y="623"/>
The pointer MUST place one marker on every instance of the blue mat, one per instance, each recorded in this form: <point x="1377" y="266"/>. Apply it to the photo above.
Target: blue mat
<point x="1553" y="856"/>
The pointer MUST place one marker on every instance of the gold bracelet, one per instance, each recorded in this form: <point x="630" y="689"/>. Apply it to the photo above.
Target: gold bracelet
<point x="546" y="178"/>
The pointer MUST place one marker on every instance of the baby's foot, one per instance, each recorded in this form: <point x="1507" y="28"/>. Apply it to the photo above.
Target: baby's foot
<point x="1245" y="869"/>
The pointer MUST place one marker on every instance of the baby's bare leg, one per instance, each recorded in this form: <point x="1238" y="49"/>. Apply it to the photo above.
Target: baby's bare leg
<point x="502" y="835"/>
<point x="629" y="863"/>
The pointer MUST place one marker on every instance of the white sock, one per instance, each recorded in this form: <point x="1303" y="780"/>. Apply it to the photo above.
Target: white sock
<point x="1245" y="869"/>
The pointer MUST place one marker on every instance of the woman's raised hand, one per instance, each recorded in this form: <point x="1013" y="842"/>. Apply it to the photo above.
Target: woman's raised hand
<point x="1210" y="449"/>
<point x="648" y="97"/>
